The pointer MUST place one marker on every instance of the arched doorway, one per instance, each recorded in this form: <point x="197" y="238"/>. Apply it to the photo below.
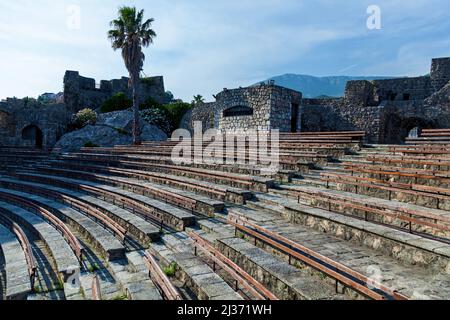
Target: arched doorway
<point x="397" y="129"/>
<point x="33" y="135"/>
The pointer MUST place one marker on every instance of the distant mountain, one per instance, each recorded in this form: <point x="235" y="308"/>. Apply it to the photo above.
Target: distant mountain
<point x="311" y="87"/>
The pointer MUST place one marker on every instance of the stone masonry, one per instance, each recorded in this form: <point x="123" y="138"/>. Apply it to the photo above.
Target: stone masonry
<point x="81" y="92"/>
<point x="386" y="109"/>
<point x="29" y="123"/>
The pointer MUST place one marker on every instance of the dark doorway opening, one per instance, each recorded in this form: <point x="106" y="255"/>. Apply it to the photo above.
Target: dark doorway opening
<point x="397" y="129"/>
<point x="33" y="135"/>
<point x="294" y="117"/>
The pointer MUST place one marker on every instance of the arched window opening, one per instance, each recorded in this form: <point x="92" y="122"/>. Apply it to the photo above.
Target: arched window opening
<point x="238" y="111"/>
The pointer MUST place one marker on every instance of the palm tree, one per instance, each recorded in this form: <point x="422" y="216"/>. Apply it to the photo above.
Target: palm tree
<point x="130" y="33"/>
<point x="198" y="99"/>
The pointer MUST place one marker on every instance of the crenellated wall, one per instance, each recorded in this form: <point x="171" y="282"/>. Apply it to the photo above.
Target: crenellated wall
<point x="81" y="92"/>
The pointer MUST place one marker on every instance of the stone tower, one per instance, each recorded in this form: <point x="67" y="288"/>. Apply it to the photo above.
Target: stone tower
<point x="440" y="73"/>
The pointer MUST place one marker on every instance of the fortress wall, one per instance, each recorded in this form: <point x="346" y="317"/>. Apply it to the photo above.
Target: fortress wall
<point x="81" y="92"/>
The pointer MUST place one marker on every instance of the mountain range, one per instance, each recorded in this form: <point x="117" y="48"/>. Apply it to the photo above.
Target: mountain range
<point x="311" y="86"/>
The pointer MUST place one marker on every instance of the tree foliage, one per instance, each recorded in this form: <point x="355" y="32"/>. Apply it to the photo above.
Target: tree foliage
<point x="117" y="102"/>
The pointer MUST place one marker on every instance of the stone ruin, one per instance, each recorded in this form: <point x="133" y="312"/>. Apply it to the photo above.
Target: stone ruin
<point x="80" y="92"/>
<point x="30" y="123"/>
<point x="387" y="110"/>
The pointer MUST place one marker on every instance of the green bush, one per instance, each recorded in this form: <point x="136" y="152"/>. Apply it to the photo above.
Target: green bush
<point x="117" y="102"/>
<point x="85" y="117"/>
<point x="176" y="111"/>
<point x="171" y="270"/>
<point x="157" y="117"/>
<point x="150" y="103"/>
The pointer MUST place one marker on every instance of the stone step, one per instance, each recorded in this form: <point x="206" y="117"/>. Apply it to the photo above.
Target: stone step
<point x="141" y="229"/>
<point x="63" y="256"/>
<point x="309" y="182"/>
<point x="192" y="270"/>
<point x="172" y="216"/>
<point x="17" y="279"/>
<point x="48" y="285"/>
<point x="204" y="204"/>
<point x="282" y="279"/>
<point x="209" y="189"/>
<point x="2" y="278"/>
<point x="136" y="284"/>
<point x="365" y="253"/>
<point x="108" y="286"/>
<point x="102" y="239"/>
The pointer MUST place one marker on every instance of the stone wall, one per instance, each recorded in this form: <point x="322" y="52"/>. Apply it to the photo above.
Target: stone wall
<point x="440" y="73"/>
<point x="31" y="124"/>
<point x="386" y="109"/>
<point x="271" y="108"/>
<point x="81" y="92"/>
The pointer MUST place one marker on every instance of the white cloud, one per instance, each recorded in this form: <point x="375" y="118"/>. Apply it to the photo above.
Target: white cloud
<point x="203" y="46"/>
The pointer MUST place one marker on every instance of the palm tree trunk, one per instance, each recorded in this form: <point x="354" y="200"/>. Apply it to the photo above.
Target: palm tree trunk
<point x="136" y="123"/>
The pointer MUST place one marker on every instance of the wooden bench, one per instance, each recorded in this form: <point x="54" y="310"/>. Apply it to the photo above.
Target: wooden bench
<point x="427" y="177"/>
<point x="285" y="163"/>
<point x="435" y="132"/>
<point x="154" y="210"/>
<point x="139" y="228"/>
<point x="214" y="191"/>
<point x="413" y="220"/>
<point x="431" y="151"/>
<point x="74" y="203"/>
<point x="48" y="216"/>
<point x="439" y="197"/>
<point x="20" y="266"/>
<point x="439" y="163"/>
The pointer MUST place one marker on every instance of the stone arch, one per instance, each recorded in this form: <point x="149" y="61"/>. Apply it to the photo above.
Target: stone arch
<point x="397" y="129"/>
<point x="33" y="135"/>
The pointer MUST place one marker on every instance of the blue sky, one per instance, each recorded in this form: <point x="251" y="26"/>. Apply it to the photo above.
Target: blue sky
<point x="206" y="45"/>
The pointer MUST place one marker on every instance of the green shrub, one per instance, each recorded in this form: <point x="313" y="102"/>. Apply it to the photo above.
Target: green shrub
<point x="85" y="117"/>
<point x="171" y="270"/>
<point x="176" y="111"/>
<point x="167" y="116"/>
<point x="157" y="117"/>
<point x="117" y="102"/>
<point x="150" y="103"/>
<point x="120" y="297"/>
<point x="90" y="144"/>
<point x="93" y="267"/>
